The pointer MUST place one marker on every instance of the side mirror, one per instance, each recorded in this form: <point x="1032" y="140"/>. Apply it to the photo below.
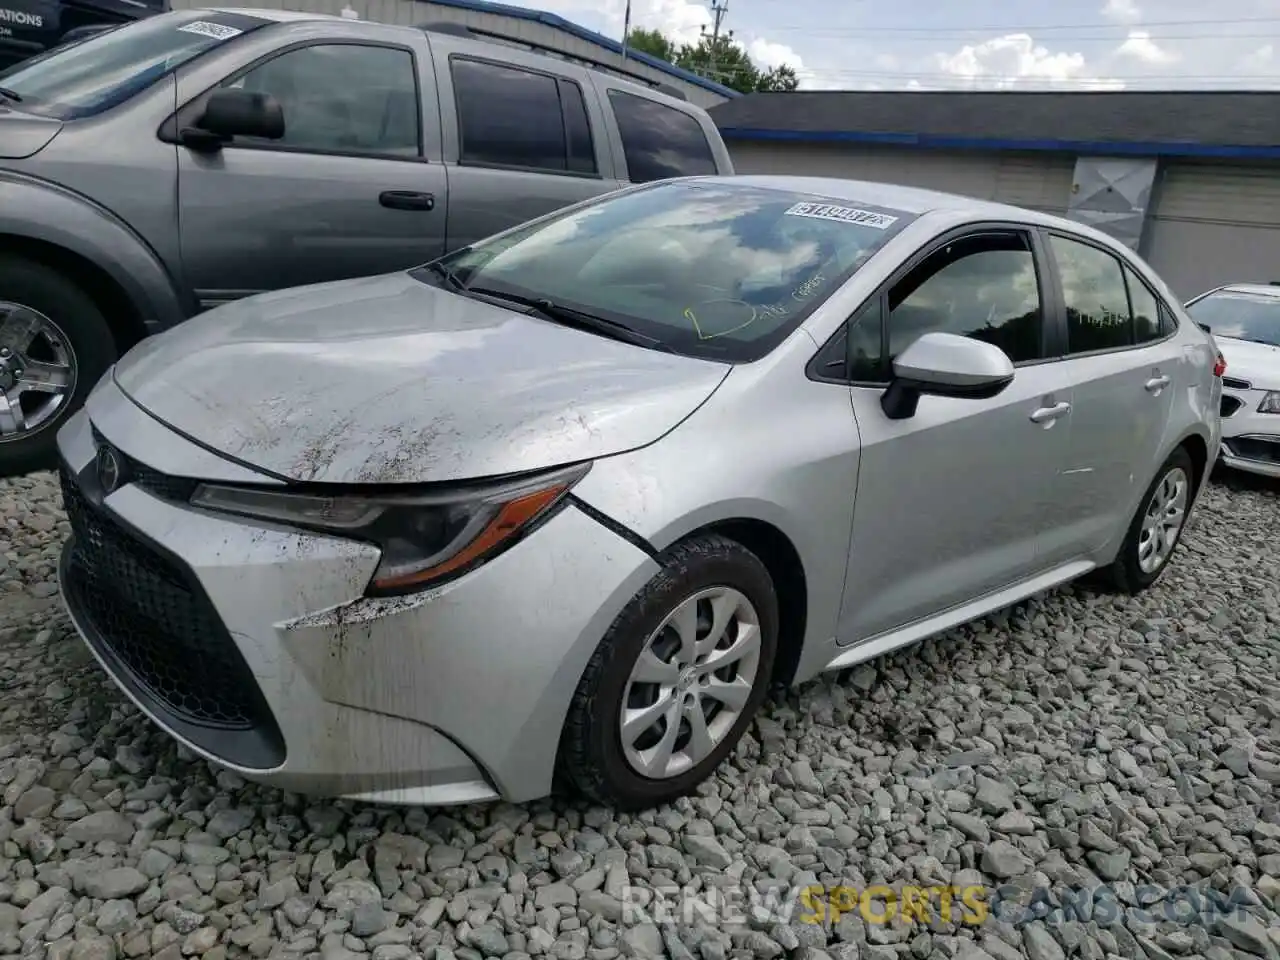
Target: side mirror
<point x="1205" y="327"/>
<point x="945" y="365"/>
<point x="239" y="113"/>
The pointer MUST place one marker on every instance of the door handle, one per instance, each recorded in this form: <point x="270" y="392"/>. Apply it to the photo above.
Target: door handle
<point x="1156" y="384"/>
<point x="407" y="200"/>
<point x="1048" y="414"/>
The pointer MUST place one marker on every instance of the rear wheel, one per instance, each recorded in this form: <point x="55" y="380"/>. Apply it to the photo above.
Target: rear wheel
<point x="677" y="679"/>
<point x="1157" y="527"/>
<point x="54" y="346"/>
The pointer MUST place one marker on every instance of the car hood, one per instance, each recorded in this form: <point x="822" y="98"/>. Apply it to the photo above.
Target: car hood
<point x="1258" y="363"/>
<point x="23" y="135"/>
<point x="388" y="380"/>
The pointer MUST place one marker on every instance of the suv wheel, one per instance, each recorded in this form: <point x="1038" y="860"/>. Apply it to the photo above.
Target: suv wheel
<point x="676" y="680"/>
<point x="1156" y="527"/>
<point x="54" y="346"/>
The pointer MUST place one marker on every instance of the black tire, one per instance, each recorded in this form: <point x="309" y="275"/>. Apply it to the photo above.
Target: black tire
<point x="1125" y="575"/>
<point x="88" y="337"/>
<point x="591" y="755"/>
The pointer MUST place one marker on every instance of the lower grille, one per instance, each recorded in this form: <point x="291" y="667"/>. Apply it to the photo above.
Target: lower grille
<point x="1255" y="448"/>
<point x="156" y="622"/>
<point x="1229" y="406"/>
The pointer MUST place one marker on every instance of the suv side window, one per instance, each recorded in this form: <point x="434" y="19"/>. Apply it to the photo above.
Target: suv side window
<point x="342" y="98"/>
<point x="1145" y="308"/>
<point x="510" y="117"/>
<point x="659" y="141"/>
<point x="1095" y="296"/>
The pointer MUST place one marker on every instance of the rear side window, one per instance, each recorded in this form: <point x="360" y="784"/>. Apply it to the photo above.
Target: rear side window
<point x="1146" y="309"/>
<point x="660" y="141"/>
<point x="509" y="117"/>
<point x="1095" y="296"/>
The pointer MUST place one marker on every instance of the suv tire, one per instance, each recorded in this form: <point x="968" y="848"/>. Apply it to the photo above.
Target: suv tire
<point x="67" y="321"/>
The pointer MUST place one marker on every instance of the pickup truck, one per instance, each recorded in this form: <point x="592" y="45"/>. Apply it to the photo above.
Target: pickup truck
<point x="195" y="157"/>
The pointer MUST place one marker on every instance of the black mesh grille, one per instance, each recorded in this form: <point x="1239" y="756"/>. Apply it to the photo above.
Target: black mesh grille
<point x="1230" y="405"/>
<point x="164" y="632"/>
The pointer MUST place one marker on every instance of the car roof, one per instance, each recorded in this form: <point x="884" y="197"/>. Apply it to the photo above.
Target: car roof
<point x="914" y="200"/>
<point x="1256" y="289"/>
<point x="279" y="16"/>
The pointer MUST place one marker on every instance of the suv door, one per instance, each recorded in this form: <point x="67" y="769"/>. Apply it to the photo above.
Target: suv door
<point x="1122" y="362"/>
<point x="353" y="188"/>
<point x="523" y="140"/>
<point x="950" y="502"/>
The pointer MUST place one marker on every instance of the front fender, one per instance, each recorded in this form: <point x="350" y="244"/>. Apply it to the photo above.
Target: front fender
<point x="40" y="210"/>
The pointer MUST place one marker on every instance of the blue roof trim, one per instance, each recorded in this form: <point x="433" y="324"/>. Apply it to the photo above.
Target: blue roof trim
<point x="1094" y="148"/>
<point x="582" y="33"/>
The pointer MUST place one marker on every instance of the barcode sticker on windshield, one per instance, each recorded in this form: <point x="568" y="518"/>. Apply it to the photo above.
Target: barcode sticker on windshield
<point x="829" y="211"/>
<point x="206" y="29"/>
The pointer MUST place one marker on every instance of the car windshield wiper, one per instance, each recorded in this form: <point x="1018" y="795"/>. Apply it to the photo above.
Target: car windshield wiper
<point x="444" y="273"/>
<point x="8" y="94"/>
<point x="559" y="313"/>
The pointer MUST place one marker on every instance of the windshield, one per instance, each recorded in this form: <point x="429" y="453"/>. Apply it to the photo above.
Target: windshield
<point x="98" y="73"/>
<point x="711" y="269"/>
<point x="1239" y="315"/>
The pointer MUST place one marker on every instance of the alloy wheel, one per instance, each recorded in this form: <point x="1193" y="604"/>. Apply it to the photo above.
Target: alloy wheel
<point x="1163" y="519"/>
<point x="691" y="682"/>
<point x="37" y="371"/>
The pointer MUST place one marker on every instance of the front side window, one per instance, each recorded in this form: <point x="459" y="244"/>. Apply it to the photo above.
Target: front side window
<point x="91" y="76"/>
<point x="341" y="98"/>
<point x="984" y="287"/>
<point x="1240" y="315"/>
<point x="658" y="141"/>
<point x="509" y="117"/>
<point x="714" y="270"/>
<point x="1095" y="296"/>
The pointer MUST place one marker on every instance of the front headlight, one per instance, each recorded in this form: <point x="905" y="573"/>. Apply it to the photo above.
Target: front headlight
<point x="1270" y="403"/>
<point x="424" y="538"/>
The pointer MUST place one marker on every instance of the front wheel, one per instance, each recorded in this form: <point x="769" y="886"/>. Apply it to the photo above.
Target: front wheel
<point x="676" y="680"/>
<point x="1157" y="527"/>
<point x="54" y="346"/>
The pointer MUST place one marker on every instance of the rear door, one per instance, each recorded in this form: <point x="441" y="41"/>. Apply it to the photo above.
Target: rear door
<point x="354" y="188"/>
<point x="1123" y="365"/>
<point x="518" y="137"/>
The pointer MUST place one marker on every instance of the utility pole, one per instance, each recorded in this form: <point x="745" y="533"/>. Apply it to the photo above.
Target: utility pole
<point x="718" y="10"/>
<point x="626" y="32"/>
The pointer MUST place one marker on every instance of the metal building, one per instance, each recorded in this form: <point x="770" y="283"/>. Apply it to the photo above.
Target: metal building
<point x="546" y="32"/>
<point x="1190" y="180"/>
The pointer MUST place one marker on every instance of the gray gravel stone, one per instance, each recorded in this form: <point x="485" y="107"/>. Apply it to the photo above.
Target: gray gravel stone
<point x="1077" y="739"/>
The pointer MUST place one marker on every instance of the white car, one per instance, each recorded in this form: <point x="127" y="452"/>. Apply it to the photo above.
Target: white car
<point x="1244" y="319"/>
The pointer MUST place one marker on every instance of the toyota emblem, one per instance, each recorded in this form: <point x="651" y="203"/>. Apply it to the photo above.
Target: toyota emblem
<point x="108" y="469"/>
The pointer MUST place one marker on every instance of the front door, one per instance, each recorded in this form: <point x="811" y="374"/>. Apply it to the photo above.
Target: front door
<point x="1123" y="368"/>
<point x="950" y="502"/>
<point x="347" y="192"/>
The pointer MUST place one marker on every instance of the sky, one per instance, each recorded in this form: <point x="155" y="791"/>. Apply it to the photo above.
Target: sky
<point x="979" y="44"/>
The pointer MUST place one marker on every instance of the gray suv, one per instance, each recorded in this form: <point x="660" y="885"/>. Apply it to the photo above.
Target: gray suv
<point x="197" y="157"/>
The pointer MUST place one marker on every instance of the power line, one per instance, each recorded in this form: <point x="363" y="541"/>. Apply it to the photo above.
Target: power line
<point x="1022" y="28"/>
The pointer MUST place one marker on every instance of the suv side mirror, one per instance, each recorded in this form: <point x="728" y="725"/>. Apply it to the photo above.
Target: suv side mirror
<point x="238" y="113"/>
<point x="945" y="365"/>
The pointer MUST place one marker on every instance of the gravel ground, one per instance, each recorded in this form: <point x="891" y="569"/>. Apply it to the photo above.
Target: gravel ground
<point x="1114" y="752"/>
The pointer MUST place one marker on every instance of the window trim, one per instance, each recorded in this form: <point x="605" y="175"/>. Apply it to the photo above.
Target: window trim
<point x="1126" y="268"/>
<point x="1048" y="299"/>
<point x="559" y="80"/>
<point x="169" y="130"/>
<point x="612" y="91"/>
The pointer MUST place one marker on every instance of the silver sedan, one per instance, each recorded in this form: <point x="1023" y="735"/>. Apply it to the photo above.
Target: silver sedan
<point x="571" y="500"/>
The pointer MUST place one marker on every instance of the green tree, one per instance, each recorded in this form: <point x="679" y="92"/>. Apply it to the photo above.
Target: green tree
<point x="726" y="61"/>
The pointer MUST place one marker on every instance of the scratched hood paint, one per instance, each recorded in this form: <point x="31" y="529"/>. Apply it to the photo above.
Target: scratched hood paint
<point x="1258" y="363"/>
<point x="388" y="380"/>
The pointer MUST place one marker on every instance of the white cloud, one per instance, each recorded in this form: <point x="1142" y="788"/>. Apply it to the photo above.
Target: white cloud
<point x="1016" y="60"/>
<point x="1122" y="11"/>
<point x="768" y="55"/>
<point x="1140" y="46"/>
